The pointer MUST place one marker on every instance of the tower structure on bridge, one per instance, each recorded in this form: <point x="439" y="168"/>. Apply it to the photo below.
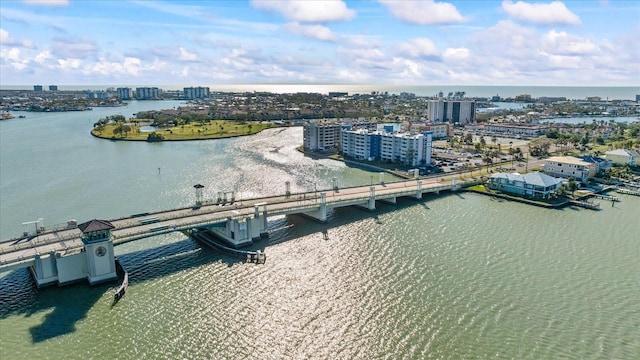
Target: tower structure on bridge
<point x="95" y="261"/>
<point x="98" y="245"/>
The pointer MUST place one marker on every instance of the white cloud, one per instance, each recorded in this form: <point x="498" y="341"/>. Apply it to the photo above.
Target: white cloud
<point x="69" y="64"/>
<point x="12" y="54"/>
<point x="554" y="13"/>
<point x="564" y="44"/>
<point x="455" y="54"/>
<point x="42" y="57"/>
<point x="426" y="12"/>
<point x="186" y="56"/>
<point x="7" y="40"/>
<point x="318" y="32"/>
<point x="506" y="39"/>
<point x="47" y="2"/>
<point x="419" y="48"/>
<point x="308" y="11"/>
<point x="562" y="61"/>
<point x="349" y="75"/>
<point x="361" y="41"/>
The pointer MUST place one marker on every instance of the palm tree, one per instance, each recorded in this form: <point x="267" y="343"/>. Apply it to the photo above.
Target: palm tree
<point x="572" y="186"/>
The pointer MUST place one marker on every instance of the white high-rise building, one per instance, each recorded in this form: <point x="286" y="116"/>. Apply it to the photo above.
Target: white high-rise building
<point x="455" y="111"/>
<point x="196" y="92"/>
<point x="124" y="93"/>
<point x="147" y="93"/>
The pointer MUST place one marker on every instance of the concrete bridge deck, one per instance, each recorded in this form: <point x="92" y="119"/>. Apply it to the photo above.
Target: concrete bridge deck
<point x="21" y="253"/>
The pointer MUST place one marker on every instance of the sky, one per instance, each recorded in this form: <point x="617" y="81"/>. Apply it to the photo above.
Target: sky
<point x="200" y="43"/>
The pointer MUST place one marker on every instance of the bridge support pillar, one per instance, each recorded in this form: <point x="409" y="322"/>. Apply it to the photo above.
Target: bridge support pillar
<point x="45" y="271"/>
<point x="236" y="232"/>
<point x="372" y="198"/>
<point x="319" y="215"/>
<point x="419" y="191"/>
<point x="241" y="232"/>
<point x="259" y="222"/>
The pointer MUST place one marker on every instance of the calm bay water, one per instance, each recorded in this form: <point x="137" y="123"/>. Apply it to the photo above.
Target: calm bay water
<point x="452" y="277"/>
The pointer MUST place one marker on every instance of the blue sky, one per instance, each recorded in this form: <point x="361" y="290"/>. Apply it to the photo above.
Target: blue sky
<point x="119" y="42"/>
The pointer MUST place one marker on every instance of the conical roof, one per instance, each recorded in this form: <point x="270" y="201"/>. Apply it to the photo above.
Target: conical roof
<point x="95" y="225"/>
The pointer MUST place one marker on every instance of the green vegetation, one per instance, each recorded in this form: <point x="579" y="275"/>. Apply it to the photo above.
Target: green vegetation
<point x="116" y="127"/>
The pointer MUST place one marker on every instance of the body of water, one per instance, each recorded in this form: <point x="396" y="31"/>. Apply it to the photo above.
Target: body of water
<point x="458" y="276"/>
<point x="589" y="119"/>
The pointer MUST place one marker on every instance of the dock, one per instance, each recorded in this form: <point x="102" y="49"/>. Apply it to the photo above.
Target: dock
<point x="628" y="191"/>
<point x="586" y="204"/>
<point x="605" y="197"/>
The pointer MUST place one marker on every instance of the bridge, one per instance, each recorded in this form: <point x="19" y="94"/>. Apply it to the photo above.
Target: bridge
<point x="238" y="223"/>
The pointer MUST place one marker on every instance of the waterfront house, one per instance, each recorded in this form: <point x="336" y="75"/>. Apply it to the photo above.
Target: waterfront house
<point x="601" y="164"/>
<point x="623" y="157"/>
<point x="533" y="185"/>
<point x="570" y="166"/>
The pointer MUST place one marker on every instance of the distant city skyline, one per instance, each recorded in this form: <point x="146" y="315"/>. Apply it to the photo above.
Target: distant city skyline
<point x="532" y="43"/>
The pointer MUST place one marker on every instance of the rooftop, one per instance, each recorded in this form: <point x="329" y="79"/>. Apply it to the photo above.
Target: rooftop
<point x="534" y="178"/>
<point x="568" y="160"/>
<point x="95" y="225"/>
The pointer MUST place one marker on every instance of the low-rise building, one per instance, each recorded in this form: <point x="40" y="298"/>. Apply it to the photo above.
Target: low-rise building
<point x="515" y="130"/>
<point x="569" y="166"/>
<point x="534" y="184"/>
<point x="623" y="157"/>
<point x="439" y="130"/>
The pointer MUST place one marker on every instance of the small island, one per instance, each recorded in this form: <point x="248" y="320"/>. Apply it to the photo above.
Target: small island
<point x="151" y="127"/>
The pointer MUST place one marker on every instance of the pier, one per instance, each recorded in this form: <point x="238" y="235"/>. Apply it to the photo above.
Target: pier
<point x="59" y="255"/>
<point x="635" y="192"/>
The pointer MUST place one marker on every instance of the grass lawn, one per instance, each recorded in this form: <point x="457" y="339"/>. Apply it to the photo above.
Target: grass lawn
<point x="215" y="129"/>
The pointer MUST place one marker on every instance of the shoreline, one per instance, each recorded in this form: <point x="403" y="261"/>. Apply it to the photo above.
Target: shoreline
<point x="353" y="163"/>
<point x="186" y="139"/>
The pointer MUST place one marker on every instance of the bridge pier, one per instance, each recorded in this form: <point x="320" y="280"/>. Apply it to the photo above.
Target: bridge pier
<point x="95" y="261"/>
<point x="44" y="271"/>
<point x="319" y="215"/>
<point x="241" y="232"/>
<point x="370" y="205"/>
<point x="372" y="198"/>
<point x="419" y="191"/>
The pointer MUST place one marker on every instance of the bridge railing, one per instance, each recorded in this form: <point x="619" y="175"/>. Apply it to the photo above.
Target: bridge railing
<point x="5" y="249"/>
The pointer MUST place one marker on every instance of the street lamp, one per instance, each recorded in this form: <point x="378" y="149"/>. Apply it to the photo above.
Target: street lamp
<point x="511" y="152"/>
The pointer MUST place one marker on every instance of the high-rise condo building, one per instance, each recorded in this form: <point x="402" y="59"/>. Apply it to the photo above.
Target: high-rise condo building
<point x="454" y="111"/>
<point x="124" y="93"/>
<point x="199" y="92"/>
<point x="147" y="93"/>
